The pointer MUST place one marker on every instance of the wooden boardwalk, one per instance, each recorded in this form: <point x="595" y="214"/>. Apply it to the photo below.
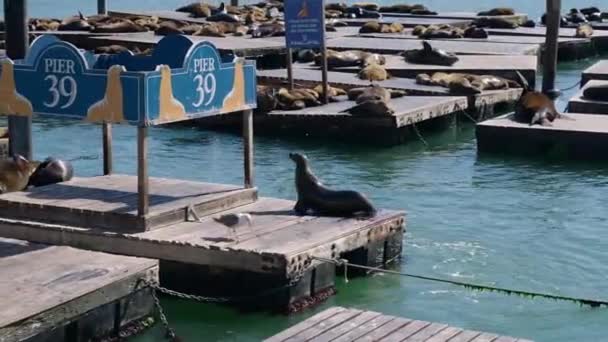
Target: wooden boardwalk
<point x="598" y="71"/>
<point x="580" y="104"/>
<point x="110" y="202"/>
<point x="393" y="46"/>
<point x="340" y="324"/>
<point x="503" y="66"/>
<point x="585" y="138"/>
<point x="205" y="257"/>
<point x="51" y="293"/>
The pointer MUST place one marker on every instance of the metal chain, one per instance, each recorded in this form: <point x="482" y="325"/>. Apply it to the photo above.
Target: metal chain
<point x="169" y="332"/>
<point x="196" y="298"/>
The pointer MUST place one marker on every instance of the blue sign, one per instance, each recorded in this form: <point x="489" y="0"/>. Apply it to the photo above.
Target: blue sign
<point x="58" y="79"/>
<point x="304" y="23"/>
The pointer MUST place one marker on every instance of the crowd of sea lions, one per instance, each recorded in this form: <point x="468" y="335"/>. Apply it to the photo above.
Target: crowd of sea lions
<point x="466" y="84"/>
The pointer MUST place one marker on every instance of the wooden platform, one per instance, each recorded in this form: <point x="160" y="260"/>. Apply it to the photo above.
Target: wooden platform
<point x="308" y="77"/>
<point x="599" y="38"/>
<point x="410" y="22"/>
<point x="584" y="138"/>
<point x="58" y="294"/>
<point x="340" y="324"/>
<point x="598" y="71"/>
<point x="517" y="17"/>
<point x="204" y="257"/>
<point x="580" y="104"/>
<point x="110" y="202"/>
<point x="503" y="66"/>
<point x="394" y="46"/>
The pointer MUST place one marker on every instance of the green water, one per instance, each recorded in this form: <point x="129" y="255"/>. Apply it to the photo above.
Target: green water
<point x="533" y="225"/>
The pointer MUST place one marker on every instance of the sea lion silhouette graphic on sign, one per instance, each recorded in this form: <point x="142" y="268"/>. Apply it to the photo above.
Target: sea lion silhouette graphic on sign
<point x="235" y="100"/>
<point x="303" y="13"/>
<point x="110" y="108"/>
<point x="170" y="109"/>
<point x="11" y="102"/>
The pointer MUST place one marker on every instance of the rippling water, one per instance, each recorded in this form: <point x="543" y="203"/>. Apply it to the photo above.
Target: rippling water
<point x="532" y="225"/>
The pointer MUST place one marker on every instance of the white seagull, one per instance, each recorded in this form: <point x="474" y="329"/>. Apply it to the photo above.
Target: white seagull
<point x="234" y="221"/>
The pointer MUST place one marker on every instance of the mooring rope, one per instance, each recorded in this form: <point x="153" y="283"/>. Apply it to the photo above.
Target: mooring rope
<point x="572" y="87"/>
<point x="426" y="144"/>
<point x="470" y="286"/>
<point x="463" y="111"/>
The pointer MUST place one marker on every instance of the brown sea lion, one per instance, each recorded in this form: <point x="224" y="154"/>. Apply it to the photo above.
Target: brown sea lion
<point x="208" y="31"/>
<point x="168" y="27"/>
<point x="273" y="29"/>
<point x="336" y="6"/>
<point x="430" y="55"/>
<point x="423" y="11"/>
<point x="15" y="173"/>
<point x="495" y="22"/>
<point x="369" y="6"/>
<point x="370" y="27"/>
<point x="266" y="99"/>
<point x="111" y="49"/>
<point x="475" y="32"/>
<point x="76" y="23"/>
<point x="331" y="91"/>
<point x="45" y="24"/>
<point x="331" y="14"/>
<point x="222" y="15"/>
<point x="347" y="58"/>
<point x="371" y="101"/>
<point x="124" y="26"/>
<point x="197" y="9"/>
<point x="316" y="197"/>
<point x="584" y="31"/>
<point x="51" y="171"/>
<point x="288" y="97"/>
<point x="191" y="29"/>
<point x="497" y="11"/>
<point x="534" y="107"/>
<point x="401" y="8"/>
<point x="374" y="72"/>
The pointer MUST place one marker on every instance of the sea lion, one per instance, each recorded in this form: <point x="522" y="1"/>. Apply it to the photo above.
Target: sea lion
<point x="76" y="23"/>
<point x="51" y="171"/>
<point x="370" y="27"/>
<point x="111" y="49"/>
<point x="575" y="16"/>
<point x="497" y="11"/>
<point x="495" y="22"/>
<point x="336" y="59"/>
<point x="268" y="30"/>
<point x="124" y="26"/>
<point x="331" y="14"/>
<point x="305" y="56"/>
<point x="331" y="91"/>
<point x="266" y="99"/>
<point x="590" y="10"/>
<point x="430" y="56"/>
<point x="534" y="107"/>
<point x="369" y="6"/>
<point x="45" y="24"/>
<point x="374" y="72"/>
<point x="167" y="28"/>
<point x="584" y="31"/>
<point x="358" y="12"/>
<point x="15" y="173"/>
<point x="563" y="22"/>
<point x="308" y="97"/>
<point x="313" y="195"/>
<point x="529" y="23"/>
<point x="223" y="15"/>
<point x="336" y="6"/>
<point x="197" y="10"/>
<point x="423" y="11"/>
<point x="475" y="32"/>
<point x="401" y="8"/>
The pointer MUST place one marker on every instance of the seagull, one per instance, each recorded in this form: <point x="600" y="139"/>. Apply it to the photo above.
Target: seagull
<point x="234" y="221"/>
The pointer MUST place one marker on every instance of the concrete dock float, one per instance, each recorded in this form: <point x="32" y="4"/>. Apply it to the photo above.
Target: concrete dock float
<point x="63" y="294"/>
<point x="273" y="256"/>
<point x="340" y="324"/>
<point x="584" y="138"/>
<point x="579" y="104"/>
<point x="598" y="71"/>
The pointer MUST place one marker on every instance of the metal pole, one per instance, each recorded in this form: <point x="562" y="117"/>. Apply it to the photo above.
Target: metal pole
<point x="248" y="146"/>
<point x="142" y="171"/>
<point x="101" y="7"/>
<point x="550" y="53"/>
<point x="17" y="42"/>
<point x="107" y="148"/>
<point x="290" y="68"/>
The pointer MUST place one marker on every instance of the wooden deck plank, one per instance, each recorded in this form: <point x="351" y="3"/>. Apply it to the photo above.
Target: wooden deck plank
<point x="598" y="71"/>
<point x="505" y="339"/>
<point x="465" y="336"/>
<point x="411" y="22"/>
<point x="428" y="332"/>
<point x="519" y="17"/>
<point x="445" y="334"/>
<point x="34" y="281"/>
<point x="306" y="324"/>
<point x="384" y="330"/>
<point x="485" y="337"/>
<point x="541" y="31"/>
<point x="406" y="331"/>
<point x="364" y="329"/>
<point x="386" y="45"/>
<point x="347" y="326"/>
<point x="325" y="325"/>
<point x="580" y="104"/>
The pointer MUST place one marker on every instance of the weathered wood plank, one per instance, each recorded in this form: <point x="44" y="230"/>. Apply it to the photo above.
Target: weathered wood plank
<point x="518" y="17"/>
<point x="485" y="337"/>
<point x="325" y="325"/>
<point x="306" y="324"/>
<point x="579" y="104"/>
<point x="364" y="328"/>
<point x="445" y="334"/>
<point x="385" y="329"/>
<point x="386" y="45"/>
<point x="411" y="22"/>
<point x="406" y="331"/>
<point x="505" y="339"/>
<point x="426" y="333"/>
<point x="346" y="327"/>
<point x="465" y="336"/>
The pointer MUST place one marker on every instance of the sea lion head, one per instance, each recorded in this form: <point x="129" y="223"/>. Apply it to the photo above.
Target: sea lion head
<point x="440" y="56"/>
<point x="51" y="171"/>
<point x="299" y="159"/>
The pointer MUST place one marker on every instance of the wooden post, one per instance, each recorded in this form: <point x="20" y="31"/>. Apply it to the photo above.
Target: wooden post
<point x="101" y="7"/>
<point x="248" y="146"/>
<point x="324" y="64"/>
<point x="17" y="42"/>
<point x="107" y="148"/>
<point x="550" y="53"/>
<point x="290" y="68"/>
<point x="142" y="171"/>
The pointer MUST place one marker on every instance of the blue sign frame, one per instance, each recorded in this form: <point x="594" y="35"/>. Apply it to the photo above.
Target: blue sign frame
<point x="304" y="23"/>
<point x="181" y="80"/>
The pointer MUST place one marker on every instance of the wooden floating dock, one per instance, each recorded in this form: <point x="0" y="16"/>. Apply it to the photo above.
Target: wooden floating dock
<point x="598" y="71"/>
<point x="481" y="105"/>
<point x="340" y="324"/>
<point x="58" y="294"/>
<point x="206" y="258"/>
<point x="585" y="138"/>
<point x="110" y="202"/>
<point x="502" y="66"/>
<point x="579" y="104"/>
<point x="394" y="46"/>
<point x="410" y="22"/>
<point x="517" y="17"/>
<point x="599" y="38"/>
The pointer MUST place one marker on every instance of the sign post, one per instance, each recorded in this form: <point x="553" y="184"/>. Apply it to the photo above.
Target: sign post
<point x="19" y="127"/>
<point x="305" y="28"/>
